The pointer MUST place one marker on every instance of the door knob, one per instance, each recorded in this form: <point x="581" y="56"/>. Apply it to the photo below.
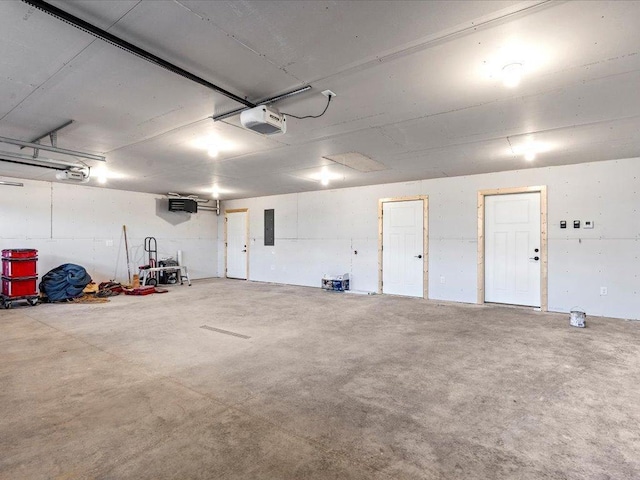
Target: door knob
<point x="534" y="258"/>
<point x="418" y="256"/>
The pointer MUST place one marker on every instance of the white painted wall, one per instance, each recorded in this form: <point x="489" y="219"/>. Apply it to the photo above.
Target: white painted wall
<point x="73" y="224"/>
<point x="317" y="232"/>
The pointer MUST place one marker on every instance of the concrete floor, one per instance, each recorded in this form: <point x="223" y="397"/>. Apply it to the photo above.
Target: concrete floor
<point x="329" y="386"/>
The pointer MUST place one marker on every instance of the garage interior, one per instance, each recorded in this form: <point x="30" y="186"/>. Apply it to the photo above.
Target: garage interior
<point x="389" y="212"/>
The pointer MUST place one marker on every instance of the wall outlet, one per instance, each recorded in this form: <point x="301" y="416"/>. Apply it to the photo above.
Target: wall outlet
<point x="588" y="224"/>
<point x="108" y="243"/>
<point x="442" y="279"/>
<point x="603" y="290"/>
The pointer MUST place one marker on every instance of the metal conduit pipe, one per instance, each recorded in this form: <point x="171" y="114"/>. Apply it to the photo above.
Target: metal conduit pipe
<point x="64" y="151"/>
<point x="211" y="209"/>
<point x="39" y="161"/>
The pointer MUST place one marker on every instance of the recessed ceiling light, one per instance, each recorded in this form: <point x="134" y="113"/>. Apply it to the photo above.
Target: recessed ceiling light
<point x="213" y="145"/>
<point x="512" y="74"/>
<point x="102" y="175"/>
<point x="528" y="148"/>
<point x="324" y="177"/>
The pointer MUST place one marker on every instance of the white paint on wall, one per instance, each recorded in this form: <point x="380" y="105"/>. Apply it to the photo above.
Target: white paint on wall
<point x="317" y="233"/>
<point x="83" y="225"/>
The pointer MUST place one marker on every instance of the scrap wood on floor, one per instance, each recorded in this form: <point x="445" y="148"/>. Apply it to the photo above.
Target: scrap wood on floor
<point x="89" y="298"/>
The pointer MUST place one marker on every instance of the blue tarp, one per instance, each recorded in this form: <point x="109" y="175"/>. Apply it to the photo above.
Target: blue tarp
<point x="64" y="282"/>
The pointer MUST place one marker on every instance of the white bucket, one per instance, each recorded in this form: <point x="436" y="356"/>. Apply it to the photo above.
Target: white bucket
<point x="577" y="318"/>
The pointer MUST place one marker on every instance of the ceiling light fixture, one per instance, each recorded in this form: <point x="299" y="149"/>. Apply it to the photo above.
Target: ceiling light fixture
<point x="102" y="175"/>
<point x="512" y="74"/>
<point x="215" y="192"/>
<point x="324" y="177"/>
<point x="12" y="184"/>
<point x="528" y="148"/>
<point x="213" y="145"/>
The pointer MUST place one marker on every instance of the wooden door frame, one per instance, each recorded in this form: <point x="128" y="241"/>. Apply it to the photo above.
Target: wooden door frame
<point x="425" y="239"/>
<point x="542" y="189"/>
<point x="226" y="220"/>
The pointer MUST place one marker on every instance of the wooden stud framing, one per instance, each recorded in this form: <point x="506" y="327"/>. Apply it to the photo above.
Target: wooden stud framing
<point x="235" y="210"/>
<point x="425" y="239"/>
<point x="542" y="189"/>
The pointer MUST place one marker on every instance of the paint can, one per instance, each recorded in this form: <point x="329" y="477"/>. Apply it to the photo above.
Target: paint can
<point x="577" y="318"/>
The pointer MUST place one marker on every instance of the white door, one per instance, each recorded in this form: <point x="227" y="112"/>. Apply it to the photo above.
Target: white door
<point x="512" y="249"/>
<point x="402" y="248"/>
<point x="237" y="245"/>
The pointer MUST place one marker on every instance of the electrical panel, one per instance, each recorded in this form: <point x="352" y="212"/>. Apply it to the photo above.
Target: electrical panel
<point x="269" y="227"/>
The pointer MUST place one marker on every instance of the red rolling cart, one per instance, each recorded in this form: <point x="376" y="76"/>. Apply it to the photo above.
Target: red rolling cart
<point x="19" y="276"/>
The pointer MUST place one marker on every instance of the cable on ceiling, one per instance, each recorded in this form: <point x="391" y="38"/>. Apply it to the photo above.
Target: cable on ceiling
<point x="311" y="116"/>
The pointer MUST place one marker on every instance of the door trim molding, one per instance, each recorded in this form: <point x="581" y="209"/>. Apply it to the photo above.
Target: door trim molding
<point x="542" y="189"/>
<point x="425" y="239"/>
<point x="235" y="210"/>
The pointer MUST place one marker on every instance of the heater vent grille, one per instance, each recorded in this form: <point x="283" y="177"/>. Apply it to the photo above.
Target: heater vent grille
<point x="183" y="205"/>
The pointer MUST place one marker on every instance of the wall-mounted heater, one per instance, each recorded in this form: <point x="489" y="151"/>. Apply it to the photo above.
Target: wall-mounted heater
<point x="183" y="205"/>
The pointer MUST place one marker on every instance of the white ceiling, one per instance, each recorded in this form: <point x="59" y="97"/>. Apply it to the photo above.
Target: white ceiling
<point x="418" y="88"/>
